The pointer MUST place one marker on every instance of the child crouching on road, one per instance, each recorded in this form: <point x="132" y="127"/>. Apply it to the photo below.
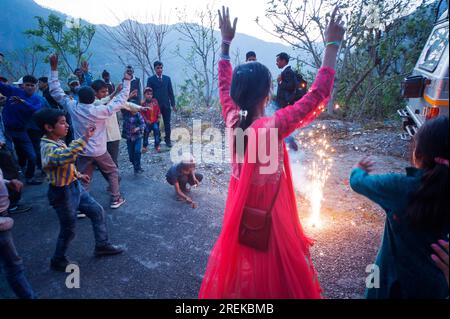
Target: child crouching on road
<point x="182" y="174"/>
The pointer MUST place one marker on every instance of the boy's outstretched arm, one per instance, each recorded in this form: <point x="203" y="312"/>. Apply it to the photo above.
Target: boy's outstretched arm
<point x="53" y="155"/>
<point x="55" y="86"/>
<point x="116" y="104"/>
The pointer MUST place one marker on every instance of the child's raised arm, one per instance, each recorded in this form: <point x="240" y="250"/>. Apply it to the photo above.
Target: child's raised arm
<point x="381" y="189"/>
<point x="55" y="86"/>
<point x="117" y="103"/>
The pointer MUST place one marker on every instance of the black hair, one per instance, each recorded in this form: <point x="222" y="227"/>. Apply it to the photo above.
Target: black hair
<point x="47" y="116"/>
<point x="157" y="63"/>
<point x="250" y="54"/>
<point x="43" y="79"/>
<point x="29" y="79"/>
<point x="284" y="56"/>
<point x="3" y="79"/>
<point x="86" y="95"/>
<point x="105" y="73"/>
<point x="250" y="85"/>
<point x="97" y="85"/>
<point x="187" y="165"/>
<point x="429" y="208"/>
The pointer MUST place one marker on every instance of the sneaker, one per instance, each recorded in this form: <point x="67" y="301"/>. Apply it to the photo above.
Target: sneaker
<point x="33" y="181"/>
<point x="107" y="250"/>
<point x="139" y="171"/>
<point x="118" y="202"/>
<point x="18" y="209"/>
<point x="144" y="150"/>
<point x="60" y="264"/>
<point x="169" y="144"/>
<point x="158" y="149"/>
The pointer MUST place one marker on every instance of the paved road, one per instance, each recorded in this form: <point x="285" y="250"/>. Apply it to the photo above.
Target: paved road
<point x="167" y="244"/>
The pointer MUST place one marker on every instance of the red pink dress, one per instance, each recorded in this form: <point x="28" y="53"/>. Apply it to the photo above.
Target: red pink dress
<point x="285" y="270"/>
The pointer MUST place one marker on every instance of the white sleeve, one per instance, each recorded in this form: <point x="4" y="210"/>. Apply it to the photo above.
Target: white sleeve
<point x="58" y="93"/>
<point x="116" y="104"/>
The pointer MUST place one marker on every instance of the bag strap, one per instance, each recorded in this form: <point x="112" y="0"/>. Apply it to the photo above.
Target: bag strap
<point x="276" y="194"/>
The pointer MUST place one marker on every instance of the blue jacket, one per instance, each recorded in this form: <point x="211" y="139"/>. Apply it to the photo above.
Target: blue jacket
<point x="162" y="91"/>
<point x="404" y="259"/>
<point x="16" y="116"/>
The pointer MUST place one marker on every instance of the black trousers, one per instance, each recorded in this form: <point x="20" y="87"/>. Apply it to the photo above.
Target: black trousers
<point x="166" y="114"/>
<point x="35" y="137"/>
<point x="184" y="180"/>
<point x="8" y="165"/>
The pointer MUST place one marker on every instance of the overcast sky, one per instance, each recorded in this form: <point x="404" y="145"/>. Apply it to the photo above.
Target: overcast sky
<point x="107" y="11"/>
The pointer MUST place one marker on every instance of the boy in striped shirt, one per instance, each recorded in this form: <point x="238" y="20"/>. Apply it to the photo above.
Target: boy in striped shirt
<point x="66" y="194"/>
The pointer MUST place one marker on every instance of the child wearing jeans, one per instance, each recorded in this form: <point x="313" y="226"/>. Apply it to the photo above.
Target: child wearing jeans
<point x="85" y="113"/>
<point x="133" y="130"/>
<point x="151" y="116"/>
<point x="417" y="218"/>
<point x="182" y="174"/>
<point x="65" y="193"/>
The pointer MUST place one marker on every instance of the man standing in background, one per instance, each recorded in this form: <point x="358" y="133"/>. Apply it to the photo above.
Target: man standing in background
<point x="163" y="92"/>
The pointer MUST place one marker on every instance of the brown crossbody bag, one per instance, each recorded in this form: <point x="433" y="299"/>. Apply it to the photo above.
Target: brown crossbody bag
<point x="256" y="224"/>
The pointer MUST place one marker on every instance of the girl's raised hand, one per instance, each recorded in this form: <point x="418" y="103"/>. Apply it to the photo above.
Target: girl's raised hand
<point x="336" y="28"/>
<point x="225" y="27"/>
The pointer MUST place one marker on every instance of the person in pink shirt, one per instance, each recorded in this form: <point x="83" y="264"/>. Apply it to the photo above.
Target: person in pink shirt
<point x="283" y="270"/>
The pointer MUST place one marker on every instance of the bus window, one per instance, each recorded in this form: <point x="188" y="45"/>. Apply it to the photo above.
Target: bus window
<point x="435" y="49"/>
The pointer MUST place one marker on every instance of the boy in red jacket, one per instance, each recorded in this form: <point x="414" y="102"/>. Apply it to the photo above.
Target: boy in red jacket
<point x="151" y="117"/>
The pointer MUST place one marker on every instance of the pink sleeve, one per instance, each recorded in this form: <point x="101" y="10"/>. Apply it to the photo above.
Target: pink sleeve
<point x="230" y="111"/>
<point x="304" y="111"/>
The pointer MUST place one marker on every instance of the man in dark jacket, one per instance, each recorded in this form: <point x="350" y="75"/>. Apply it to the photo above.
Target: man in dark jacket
<point x="287" y="81"/>
<point x="163" y="92"/>
<point x="135" y="85"/>
<point x="287" y="86"/>
<point x="43" y="87"/>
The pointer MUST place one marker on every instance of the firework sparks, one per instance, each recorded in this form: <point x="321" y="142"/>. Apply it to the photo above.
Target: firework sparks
<point x="317" y="172"/>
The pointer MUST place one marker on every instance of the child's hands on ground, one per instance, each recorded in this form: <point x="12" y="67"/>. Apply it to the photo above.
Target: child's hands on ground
<point x="336" y="27"/>
<point x="196" y="182"/>
<point x="54" y="62"/>
<point x="441" y="256"/>
<point x="85" y="178"/>
<point x="225" y="27"/>
<point x="366" y="164"/>
<point x="90" y="131"/>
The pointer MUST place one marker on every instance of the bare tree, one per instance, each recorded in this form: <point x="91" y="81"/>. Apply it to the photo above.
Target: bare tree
<point x="141" y="43"/>
<point x="202" y="58"/>
<point x="22" y="62"/>
<point x="302" y="25"/>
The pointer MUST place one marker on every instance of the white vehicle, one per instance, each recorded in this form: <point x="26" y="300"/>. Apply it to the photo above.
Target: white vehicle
<point x="427" y="87"/>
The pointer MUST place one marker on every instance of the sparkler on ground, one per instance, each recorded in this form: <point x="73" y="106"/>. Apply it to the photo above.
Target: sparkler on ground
<point x="318" y="171"/>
